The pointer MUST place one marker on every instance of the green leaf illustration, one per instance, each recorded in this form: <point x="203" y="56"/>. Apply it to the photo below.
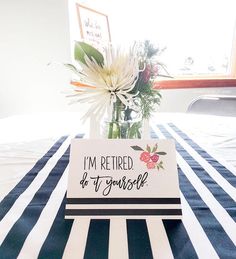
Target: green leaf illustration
<point x="148" y="149"/>
<point x="154" y="148"/>
<point x="137" y="148"/>
<point x="161" y="153"/>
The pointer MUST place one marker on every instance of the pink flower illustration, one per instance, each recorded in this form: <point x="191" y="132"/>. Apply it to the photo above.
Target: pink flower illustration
<point x="151" y="165"/>
<point x="154" y="158"/>
<point x="151" y="156"/>
<point x="145" y="156"/>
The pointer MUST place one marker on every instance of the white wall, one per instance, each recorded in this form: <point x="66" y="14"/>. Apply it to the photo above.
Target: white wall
<point x="32" y="34"/>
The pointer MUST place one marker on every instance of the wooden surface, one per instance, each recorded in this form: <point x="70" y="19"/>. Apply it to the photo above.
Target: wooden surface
<point x="195" y="83"/>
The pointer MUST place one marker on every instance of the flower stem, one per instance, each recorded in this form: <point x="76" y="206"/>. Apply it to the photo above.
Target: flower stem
<point x="110" y="130"/>
<point x="114" y="126"/>
<point x="117" y="108"/>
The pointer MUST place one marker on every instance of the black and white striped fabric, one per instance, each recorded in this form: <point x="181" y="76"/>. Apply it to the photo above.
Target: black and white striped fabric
<point x="32" y="223"/>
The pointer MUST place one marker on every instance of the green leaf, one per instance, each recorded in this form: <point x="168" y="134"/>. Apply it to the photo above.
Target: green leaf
<point x="81" y="49"/>
<point x="154" y="148"/>
<point x="110" y="130"/>
<point x="137" y="148"/>
<point x="161" y="153"/>
<point x="148" y="149"/>
<point x="116" y="131"/>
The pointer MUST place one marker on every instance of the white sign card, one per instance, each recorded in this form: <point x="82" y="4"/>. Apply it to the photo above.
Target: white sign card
<point x="128" y="178"/>
<point x="94" y="26"/>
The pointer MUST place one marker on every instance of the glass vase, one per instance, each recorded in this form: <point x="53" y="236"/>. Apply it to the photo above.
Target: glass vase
<point x="123" y="123"/>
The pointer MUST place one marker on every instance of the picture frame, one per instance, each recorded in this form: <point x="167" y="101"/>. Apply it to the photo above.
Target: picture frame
<point x="94" y="26"/>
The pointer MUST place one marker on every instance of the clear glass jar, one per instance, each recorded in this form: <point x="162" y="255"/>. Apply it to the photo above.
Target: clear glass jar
<point x="124" y="123"/>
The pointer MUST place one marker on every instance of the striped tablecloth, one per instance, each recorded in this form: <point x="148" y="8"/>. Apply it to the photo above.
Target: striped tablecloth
<point x="32" y="223"/>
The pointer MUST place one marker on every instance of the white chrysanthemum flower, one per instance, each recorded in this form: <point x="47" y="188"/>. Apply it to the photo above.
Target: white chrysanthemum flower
<point x="102" y="85"/>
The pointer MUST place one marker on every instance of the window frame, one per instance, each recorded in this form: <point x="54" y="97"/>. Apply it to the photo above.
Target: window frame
<point x="195" y="83"/>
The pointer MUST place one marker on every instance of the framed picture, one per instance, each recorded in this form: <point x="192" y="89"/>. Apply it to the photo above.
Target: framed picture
<point x="94" y="26"/>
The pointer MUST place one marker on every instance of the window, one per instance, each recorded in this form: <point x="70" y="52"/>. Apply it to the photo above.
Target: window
<point x="206" y="46"/>
<point x="198" y="37"/>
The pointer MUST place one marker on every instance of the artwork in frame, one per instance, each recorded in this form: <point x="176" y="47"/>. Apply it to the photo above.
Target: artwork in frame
<point x="94" y="26"/>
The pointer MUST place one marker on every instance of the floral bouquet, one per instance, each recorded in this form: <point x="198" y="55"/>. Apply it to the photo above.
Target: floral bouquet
<point x="117" y="83"/>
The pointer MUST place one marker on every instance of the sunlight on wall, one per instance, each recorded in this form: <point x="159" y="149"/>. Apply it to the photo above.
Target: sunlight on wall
<point x="197" y="34"/>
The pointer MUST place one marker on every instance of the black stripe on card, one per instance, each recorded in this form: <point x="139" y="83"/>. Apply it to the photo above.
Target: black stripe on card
<point x="125" y="212"/>
<point x="123" y="200"/>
